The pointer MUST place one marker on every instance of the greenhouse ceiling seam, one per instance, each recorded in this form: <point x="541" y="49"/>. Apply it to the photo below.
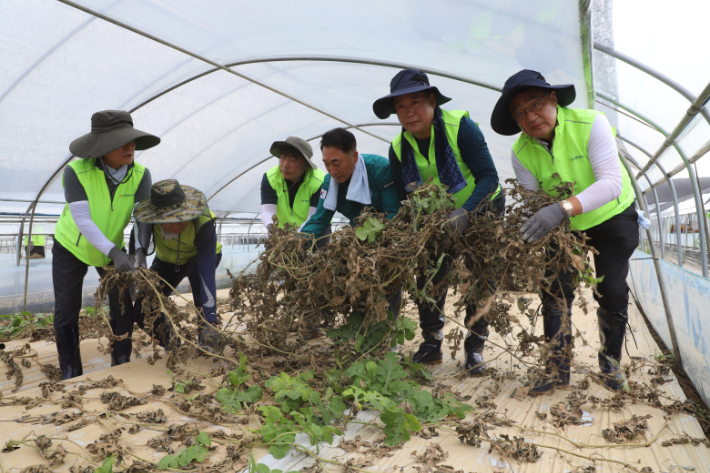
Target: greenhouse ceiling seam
<point x="691" y="174"/>
<point x="673" y="192"/>
<point x="209" y="61"/>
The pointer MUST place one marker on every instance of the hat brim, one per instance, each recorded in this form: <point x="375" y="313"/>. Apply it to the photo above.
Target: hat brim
<point x="96" y="145"/>
<point x="384" y="107"/>
<point x="191" y="208"/>
<point x="278" y="146"/>
<point x="501" y="119"/>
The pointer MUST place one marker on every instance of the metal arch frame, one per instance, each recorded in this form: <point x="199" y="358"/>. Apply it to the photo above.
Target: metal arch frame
<point x="653" y="73"/>
<point x="657" y="266"/>
<point x="226" y="68"/>
<point x="691" y="174"/>
<point x="673" y="192"/>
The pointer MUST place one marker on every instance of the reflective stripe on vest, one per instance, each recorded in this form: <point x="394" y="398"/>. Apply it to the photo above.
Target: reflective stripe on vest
<point x="182" y="249"/>
<point x="427" y="167"/>
<point x="571" y="162"/>
<point x="110" y="215"/>
<point x="312" y="180"/>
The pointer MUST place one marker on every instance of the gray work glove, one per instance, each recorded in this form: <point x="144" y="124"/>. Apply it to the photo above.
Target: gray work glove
<point x="121" y="260"/>
<point x="140" y="259"/>
<point x="458" y="220"/>
<point x="542" y="222"/>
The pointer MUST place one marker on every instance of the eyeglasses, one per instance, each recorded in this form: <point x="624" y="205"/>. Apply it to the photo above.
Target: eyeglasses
<point x="534" y="107"/>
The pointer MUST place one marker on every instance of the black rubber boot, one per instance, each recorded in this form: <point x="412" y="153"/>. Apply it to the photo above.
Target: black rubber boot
<point x="473" y="345"/>
<point x="120" y="349"/>
<point x="557" y="374"/>
<point x="612" y="329"/>
<point x="68" y="349"/>
<point x="429" y="352"/>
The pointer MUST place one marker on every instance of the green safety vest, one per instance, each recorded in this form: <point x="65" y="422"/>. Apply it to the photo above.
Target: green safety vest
<point x="571" y="162"/>
<point x="110" y="215"/>
<point x="427" y="167"/>
<point x="312" y="180"/>
<point x="37" y="240"/>
<point x="167" y="250"/>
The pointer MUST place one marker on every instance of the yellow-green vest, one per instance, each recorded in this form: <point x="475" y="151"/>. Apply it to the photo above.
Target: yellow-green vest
<point x="37" y="240"/>
<point x="182" y="249"/>
<point x="571" y="162"/>
<point x="312" y="180"/>
<point x="427" y="167"/>
<point x="110" y="215"/>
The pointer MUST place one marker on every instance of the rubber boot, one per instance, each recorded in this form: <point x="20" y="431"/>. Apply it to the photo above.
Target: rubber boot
<point x="612" y="329"/>
<point x="557" y="374"/>
<point x="473" y="345"/>
<point x="120" y="349"/>
<point x="429" y="352"/>
<point x="67" y="338"/>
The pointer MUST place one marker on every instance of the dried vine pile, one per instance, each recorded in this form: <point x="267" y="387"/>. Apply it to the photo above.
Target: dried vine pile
<point x="299" y="289"/>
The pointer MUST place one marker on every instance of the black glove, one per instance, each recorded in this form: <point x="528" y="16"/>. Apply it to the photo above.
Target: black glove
<point x="121" y="260"/>
<point x="542" y="222"/>
<point x="458" y="220"/>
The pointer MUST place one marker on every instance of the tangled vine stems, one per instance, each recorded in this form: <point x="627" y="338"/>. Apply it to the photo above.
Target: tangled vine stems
<point x="298" y="290"/>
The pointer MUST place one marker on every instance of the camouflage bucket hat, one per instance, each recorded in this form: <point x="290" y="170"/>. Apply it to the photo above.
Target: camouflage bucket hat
<point x="169" y="202"/>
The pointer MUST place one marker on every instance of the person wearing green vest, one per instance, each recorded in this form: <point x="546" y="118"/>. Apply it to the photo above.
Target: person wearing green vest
<point x="561" y="144"/>
<point x="36" y="248"/>
<point x="354" y="181"/>
<point x="449" y="147"/>
<point x="100" y="189"/>
<point x="290" y="189"/>
<point x="183" y="231"/>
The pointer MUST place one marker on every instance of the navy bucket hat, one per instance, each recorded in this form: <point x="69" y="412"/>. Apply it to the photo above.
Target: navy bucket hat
<point x="405" y="82"/>
<point x="502" y="120"/>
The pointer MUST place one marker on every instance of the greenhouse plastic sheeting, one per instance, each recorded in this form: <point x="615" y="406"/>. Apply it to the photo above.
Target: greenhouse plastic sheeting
<point x="61" y="64"/>
<point x="688" y="295"/>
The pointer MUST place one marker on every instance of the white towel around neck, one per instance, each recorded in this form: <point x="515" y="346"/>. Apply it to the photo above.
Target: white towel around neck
<point x="358" y="191"/>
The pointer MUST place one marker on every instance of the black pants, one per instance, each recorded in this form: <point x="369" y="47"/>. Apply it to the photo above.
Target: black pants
<point x="615" y="240"/>
<point x="431" y="316"/>
<point x="68" y="278"/>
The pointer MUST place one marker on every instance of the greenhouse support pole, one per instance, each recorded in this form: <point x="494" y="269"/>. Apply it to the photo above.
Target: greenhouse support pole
<point x="679" y="246"/>
<point x="659" y="274"/>
<point x="658" y="214"/>
<point x="19" y="239"/>
<point x="691" y="175"/>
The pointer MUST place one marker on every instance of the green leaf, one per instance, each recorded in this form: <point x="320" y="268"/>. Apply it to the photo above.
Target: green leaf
<point x="204" y="439"/>
<point x="398" y="425"/>
<point x="106" y="466"/>
<point x="370" y="230"/>
<point x="279" y="451"/>
<point x="261" y="468"/>
<point x="164" y="463"/>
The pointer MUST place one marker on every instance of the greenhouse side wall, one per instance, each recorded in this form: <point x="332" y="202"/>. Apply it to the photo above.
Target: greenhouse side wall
<point x="688" y="296"/>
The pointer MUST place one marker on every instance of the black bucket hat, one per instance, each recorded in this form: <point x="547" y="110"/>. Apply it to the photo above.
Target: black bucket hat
<point x="110" y="130"/>
<point x="502" y="121"/>
<point x="405" y="82"/>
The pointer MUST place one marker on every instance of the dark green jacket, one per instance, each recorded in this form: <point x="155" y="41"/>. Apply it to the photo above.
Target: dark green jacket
<point x="382" y="192"/>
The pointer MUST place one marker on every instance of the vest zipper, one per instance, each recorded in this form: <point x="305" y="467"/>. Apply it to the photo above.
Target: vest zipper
<point x="77" y="240"/>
